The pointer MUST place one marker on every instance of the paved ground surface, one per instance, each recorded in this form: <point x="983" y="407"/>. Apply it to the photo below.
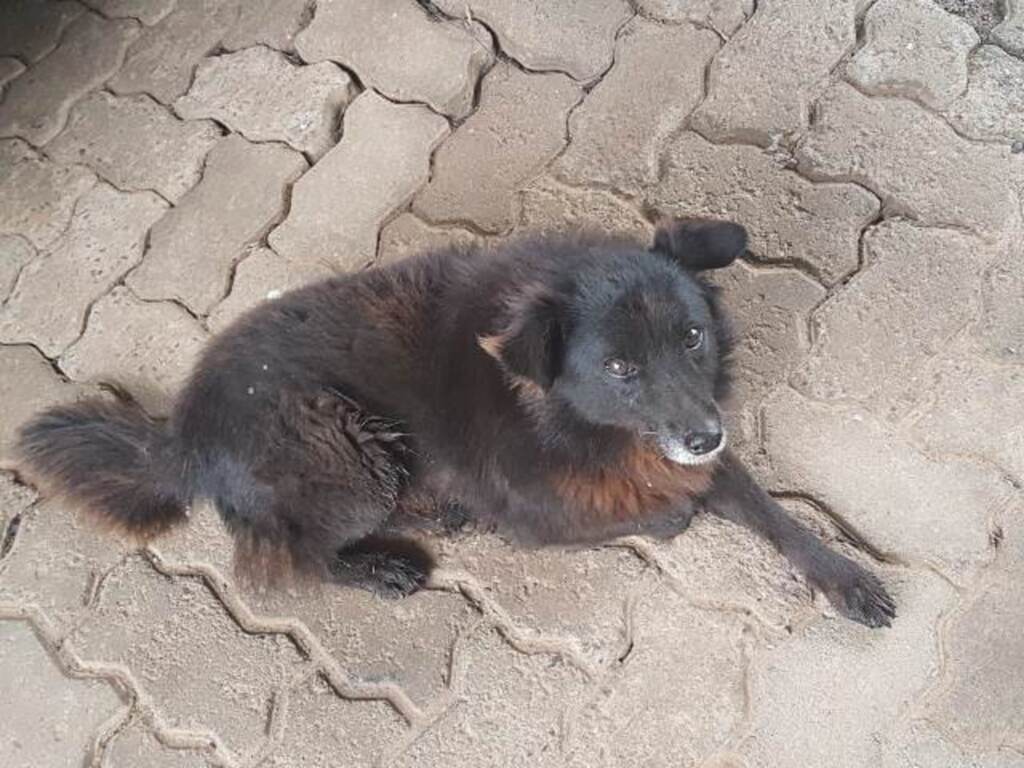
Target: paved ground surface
<point x="165" y="164"/>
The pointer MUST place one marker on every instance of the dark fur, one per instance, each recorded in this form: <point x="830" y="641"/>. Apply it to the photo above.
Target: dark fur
<point x="319" y="422"/>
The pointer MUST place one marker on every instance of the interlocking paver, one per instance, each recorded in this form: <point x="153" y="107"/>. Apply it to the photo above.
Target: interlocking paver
<point x="15" y="253"/>
<point x="9" y="69"/>
<point x="149" y="347"/>
<point x="502" y="685"/>
<point x="551" y="206"/>
<point x="1001" y="328"/>
<point x="149" y="12"/>
<point x="263" y="276"/>
<point x="517" y="129"/>
<point x="913" y="49"/>
<point x="273" y="23"/>
<point x="617" y="132"/>
<point x="679" y="654"/>
<point x="49" y="718"/>
<point x="992" y="107"/>
<point x="162" y="60"/>
<point x="14" y="499"/>
<point x="877" y="333"/>
<point x="724" y="16"/>
<point x="37" y="197"/>
<point x="829" y="690"/>
<point x="54" y="566"/>
<point x="194" y="247"/>
<point x="36" y="104"/>
<point x="1010" y="32"/>
<point x="940" y="516"/>
<point x="32" y="29"/>
<point x="763" y="82"/>
<point x="383" y="158"/>
<point x="135" y="143"/>
<point x="439" y="62"/>
<point x="134" y="747"/>
<point x="262" y="95"/>
<point x="790" y="219"/>
<point x="913" y="160"/>
<point x="323" y="730"/>
<point x="105" y="240"/>
<point x="187" y="653"/>
<point x="567" y="37"/>
<point x="408" y="235"/>
<point x="28" y="383"/>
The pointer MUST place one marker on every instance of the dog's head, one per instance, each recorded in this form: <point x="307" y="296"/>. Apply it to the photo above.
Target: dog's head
<point x="632" y="339"/>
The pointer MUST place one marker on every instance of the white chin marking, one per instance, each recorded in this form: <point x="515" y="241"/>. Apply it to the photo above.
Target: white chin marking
<point x="677" y="452"/>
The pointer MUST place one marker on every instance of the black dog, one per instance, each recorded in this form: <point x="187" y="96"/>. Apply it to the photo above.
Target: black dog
<point x="562" y="388"/>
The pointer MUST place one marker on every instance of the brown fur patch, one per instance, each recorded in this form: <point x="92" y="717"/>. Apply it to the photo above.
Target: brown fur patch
<point x="644" y="484"/>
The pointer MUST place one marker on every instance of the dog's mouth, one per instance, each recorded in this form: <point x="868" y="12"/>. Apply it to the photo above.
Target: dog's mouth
<point x="676" y="450"/>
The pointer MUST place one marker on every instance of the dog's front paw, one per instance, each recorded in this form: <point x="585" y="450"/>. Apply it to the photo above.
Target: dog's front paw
<point x="856" y="593"/>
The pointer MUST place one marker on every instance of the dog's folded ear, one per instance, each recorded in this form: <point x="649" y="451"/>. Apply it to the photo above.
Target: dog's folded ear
<point x="529" y="346"/>
<point x="699" y="244"/>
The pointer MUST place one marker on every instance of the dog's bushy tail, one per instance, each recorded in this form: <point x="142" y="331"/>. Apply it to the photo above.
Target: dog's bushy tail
<point x="111" y="459"/>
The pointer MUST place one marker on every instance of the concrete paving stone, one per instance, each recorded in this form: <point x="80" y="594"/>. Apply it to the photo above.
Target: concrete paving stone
<point x="263" y="276"/>
<point x="550" y="206"/>
<point x="919" y="744"/>
<point x="28" y="383"/>
<point x="1001" y="327"/>
<point x="322" y="730"/>
<point x="517" y="129"/>
<point x="406" y="641"/>
<point x="981" y="702"/>
<point x="260" y="94"/>
<point x="163" y="59"/>
<point x="983" y="15"/>
<point x="769" y="308"/>
<point x="135" y="143"/>
<point x="502" y="685"/>
<point x="193" y="249"/>
<point x="879" y="331"/>
<point x="992" y="108"/>
<point x="797" y="718"/>
<point x="619" y="130"/>
<point x="1009" y="33"/>
<point x="35" y="106"/>
<point x="203" y="672"/>
<point x="680" y="654"/>
<point x="723" y="16"/>
<point x="30" y="29"/>
<point x="149" y="347"/>
<point x="407" y="235"/>
<point x="149" y="12"/>
<point x="578" y="594"/>
<point x="913" y="49"/>
<point x="54" y="292"/>
<point x="902" y="500"/>
<point x="9" y="69"/>
<point x="15" y="253"/>
<point x="438" y="64"/>
<point x="971" y="406"/>
<point x="383" y="158"/>
<point x="913" y="160"/>
<point x="14" y="499"/>
<point x="55" y="564"/>
<point x="49" y="718"/>
<point x="273" y="23"/>
<point x="763" y="82"/>
<point x="136" y="746"/>
<point x="789" y="219"/>
<point x="566" y="37"/>
<point x="37" y="196"/>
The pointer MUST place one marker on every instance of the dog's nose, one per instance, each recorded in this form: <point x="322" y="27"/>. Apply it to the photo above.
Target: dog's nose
<point x="702" y="442"/>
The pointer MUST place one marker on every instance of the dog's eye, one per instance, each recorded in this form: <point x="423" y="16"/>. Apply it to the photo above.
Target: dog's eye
<point x="620" y="369"/>
<point x="693" y="337"/>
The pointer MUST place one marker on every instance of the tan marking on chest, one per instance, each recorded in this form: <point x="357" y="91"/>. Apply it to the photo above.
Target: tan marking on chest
<point x="643" y="484"/>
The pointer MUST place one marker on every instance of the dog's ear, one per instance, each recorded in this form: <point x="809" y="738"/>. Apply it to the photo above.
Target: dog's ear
<point x="530" y="346"/>
<point x="700" y="243"/>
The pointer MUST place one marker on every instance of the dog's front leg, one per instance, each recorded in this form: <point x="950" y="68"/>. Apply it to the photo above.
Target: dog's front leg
<point x="856" y="593"/>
